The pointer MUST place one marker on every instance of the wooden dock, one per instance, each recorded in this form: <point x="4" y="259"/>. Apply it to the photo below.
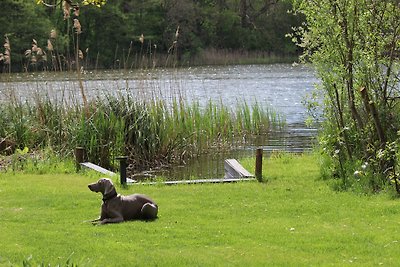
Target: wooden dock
<point x="196" y="181"/>
<point x="234" y="172"/>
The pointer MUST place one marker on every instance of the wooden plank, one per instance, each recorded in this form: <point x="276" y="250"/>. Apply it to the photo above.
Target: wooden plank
<point x="198" y="181"/>
<point x="130" y="181"/>
<point x="97" y="168"/>
<point x="233" y="169"/>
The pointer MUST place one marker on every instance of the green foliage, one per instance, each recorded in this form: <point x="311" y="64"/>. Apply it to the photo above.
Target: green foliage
<point x="354" y="46"/>
<point x="97" y="3"/>
<point x="45" y="161"/>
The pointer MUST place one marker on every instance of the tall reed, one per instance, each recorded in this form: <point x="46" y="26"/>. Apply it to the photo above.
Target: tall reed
<point x="150" y="131"/>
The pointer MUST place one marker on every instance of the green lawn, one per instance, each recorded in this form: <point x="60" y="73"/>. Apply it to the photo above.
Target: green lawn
<point x="294" y="219"/>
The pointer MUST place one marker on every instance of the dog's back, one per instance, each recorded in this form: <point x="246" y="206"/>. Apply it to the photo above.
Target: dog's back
<point x="132" y="205"/>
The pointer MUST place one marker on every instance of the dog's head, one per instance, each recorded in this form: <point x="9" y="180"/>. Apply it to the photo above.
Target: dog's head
<point x="103" y="185"/>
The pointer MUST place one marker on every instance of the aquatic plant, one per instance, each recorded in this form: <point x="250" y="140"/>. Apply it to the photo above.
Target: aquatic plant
<point x="151" y="131"/>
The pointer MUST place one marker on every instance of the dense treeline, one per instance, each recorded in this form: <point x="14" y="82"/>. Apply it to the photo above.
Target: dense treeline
<point x="129" y="33"/>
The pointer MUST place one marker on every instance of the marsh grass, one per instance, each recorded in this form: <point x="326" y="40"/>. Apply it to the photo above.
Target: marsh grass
<point x="292" y="219"/>
<point x="150" y="130"/>
<point x="212" y="56"/>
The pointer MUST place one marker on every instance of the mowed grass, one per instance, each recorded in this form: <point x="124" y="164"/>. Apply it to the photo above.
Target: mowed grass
<point x="293" y="219"/>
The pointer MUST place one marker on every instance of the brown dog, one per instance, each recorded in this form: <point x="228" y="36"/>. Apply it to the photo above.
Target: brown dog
<point x="117" y="208"/>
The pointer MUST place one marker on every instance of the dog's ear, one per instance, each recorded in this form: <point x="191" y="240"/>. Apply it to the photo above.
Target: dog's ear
<point x="108" y="186"/>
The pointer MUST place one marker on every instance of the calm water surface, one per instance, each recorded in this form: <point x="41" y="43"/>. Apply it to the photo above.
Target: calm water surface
<point x="281" y="87"/>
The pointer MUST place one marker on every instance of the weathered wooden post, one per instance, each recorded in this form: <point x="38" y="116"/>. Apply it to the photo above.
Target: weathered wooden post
<point x="122" y="168"/>
<point x="258" y="171"/>
<point x="79" y="157"/>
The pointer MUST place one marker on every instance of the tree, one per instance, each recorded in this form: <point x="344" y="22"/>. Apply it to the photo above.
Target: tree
<point x="113" y="32"/>
<point x="355" y="47"/>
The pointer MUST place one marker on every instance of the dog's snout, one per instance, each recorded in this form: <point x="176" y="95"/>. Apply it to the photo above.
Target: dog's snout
<point x="91" y="187"/>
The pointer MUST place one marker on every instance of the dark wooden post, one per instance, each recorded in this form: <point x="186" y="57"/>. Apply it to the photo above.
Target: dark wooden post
<point x="258" y="171"/>
<point x="79" y="157"/>
<point x="122" y="168"/>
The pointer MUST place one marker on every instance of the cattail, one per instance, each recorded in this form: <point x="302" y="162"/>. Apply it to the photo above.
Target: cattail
<point x="141" y="38"/>
<point x="77" y="26"/>
<point x="53" y="34"/>
<point x="66" y="10"/>
<point x="49" y="45"/>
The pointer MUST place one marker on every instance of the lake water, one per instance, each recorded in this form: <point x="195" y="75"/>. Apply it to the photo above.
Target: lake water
<point x="281" y="87"/>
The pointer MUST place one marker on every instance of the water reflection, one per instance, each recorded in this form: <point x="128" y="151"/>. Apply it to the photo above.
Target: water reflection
<point x="292" y="139"/>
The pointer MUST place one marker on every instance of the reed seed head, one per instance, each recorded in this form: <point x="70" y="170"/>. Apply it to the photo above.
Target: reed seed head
<point x="76" y="11"/>
<point x="28" y="53"/>
<point x="49" y="45"/>
<point x="34" y="46"/>
<point x="77" y="26"/>
<point x="53" y="34"/>
<point x="7" y="45"/>
<point x="6" y="57"/>
<point x="40" y="51"/>
<point x="66" y="9"/>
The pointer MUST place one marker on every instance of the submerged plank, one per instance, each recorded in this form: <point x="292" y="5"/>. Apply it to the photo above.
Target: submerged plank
<point x="233" y="169"/>
<point x="198" y="181"/>
<point x="97" y="168"/>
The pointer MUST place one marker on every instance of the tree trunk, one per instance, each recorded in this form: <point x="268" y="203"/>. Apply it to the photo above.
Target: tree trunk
<point x="371" y="109"/>
<point x="243" y="13"/>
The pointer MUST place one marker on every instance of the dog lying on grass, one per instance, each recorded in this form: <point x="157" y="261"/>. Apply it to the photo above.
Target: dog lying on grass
<point x="117" y="208"/>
